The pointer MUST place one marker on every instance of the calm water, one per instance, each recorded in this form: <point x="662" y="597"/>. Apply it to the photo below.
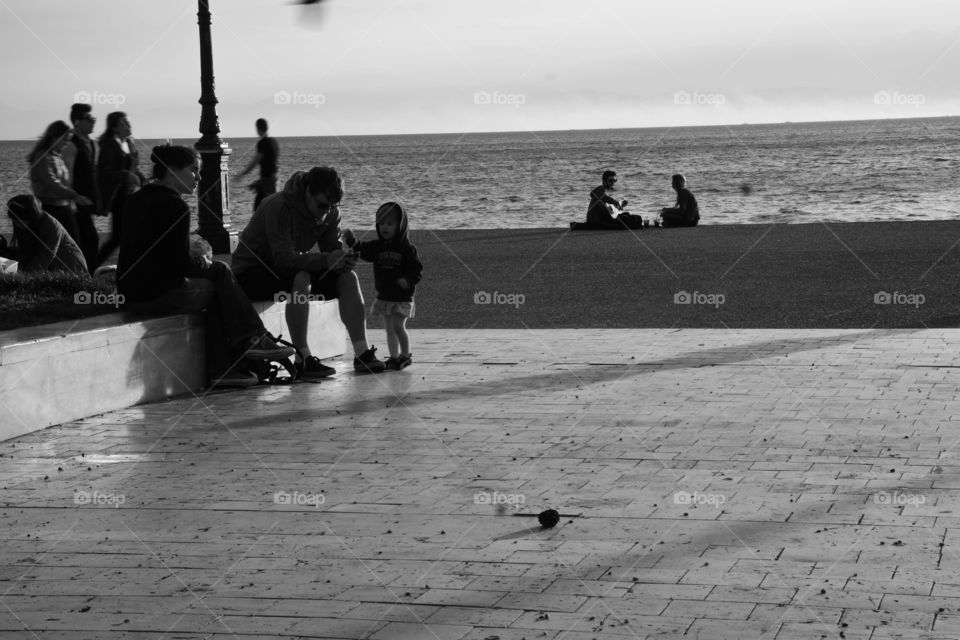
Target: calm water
<point x="833" y="171"/>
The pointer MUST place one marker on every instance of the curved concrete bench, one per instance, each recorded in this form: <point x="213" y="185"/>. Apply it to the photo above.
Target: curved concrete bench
<point x="70" y="370"/>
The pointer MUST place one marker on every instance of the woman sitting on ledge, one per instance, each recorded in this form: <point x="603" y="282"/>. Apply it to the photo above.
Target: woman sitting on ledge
<point x="41" y="242"/>
<point x="156" y="273"/>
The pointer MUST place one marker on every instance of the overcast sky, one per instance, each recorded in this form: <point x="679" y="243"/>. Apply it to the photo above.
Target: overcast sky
<point x="410" y="66"/>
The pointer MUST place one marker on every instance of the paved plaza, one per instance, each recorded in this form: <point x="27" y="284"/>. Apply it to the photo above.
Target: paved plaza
<point x="713" y="484"/>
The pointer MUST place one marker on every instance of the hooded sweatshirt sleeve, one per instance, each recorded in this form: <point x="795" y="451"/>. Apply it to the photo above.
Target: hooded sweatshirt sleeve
<point x="412" y="267"/>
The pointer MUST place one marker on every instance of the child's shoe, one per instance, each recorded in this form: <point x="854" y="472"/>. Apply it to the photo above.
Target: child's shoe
<point x="367" y="362"/>
<point x="404" y="361"/>
<point x="392" y="364"/>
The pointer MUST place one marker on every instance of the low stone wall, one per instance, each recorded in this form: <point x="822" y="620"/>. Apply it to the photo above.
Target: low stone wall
<point x="66" y="371"/>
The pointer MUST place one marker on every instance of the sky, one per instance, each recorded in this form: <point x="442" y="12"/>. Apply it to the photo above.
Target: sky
<point x="345" y="67"/>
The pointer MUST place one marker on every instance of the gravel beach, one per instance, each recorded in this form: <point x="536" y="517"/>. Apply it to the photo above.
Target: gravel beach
<point x="737" y="276"/>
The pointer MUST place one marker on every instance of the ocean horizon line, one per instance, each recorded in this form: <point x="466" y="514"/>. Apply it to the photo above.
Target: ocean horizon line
<point x="546" y="131"/>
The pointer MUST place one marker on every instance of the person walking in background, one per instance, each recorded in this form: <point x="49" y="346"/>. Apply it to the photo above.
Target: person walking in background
<point x="50" y="178"/>
<point x="81" y="160"/>
<point x="156" y="272"/>
<point x="267" y="152"/>
<point x="396" y="271"/>
<point x="685" y="213"/>
<point x="41" y="242"/>
<point x="118" y="176"/>
<point x="292" y="245"/>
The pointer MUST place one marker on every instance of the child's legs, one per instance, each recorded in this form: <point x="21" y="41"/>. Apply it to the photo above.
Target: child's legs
<point x="392" y="341"/>
<point x="400" y="330"/>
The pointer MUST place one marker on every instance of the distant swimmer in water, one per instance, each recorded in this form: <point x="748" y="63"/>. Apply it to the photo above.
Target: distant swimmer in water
<point x="685" y="213"/>
<point x="600" y="212"/>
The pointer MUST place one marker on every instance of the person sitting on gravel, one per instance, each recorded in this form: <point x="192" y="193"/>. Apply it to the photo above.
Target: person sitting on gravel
<point x="685" y="213"/>
<point x="42" y="243"/>
<point x="292" y="245"/>
<point x="602" y="207"/>
<point x="157" y="274"/>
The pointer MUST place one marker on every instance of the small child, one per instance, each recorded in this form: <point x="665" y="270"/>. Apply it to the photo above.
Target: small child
<point x="396" y="271"/>
<point x="685" y="213"/>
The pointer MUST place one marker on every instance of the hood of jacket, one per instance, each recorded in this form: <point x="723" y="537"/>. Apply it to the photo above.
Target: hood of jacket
<point x="386" y="208"/>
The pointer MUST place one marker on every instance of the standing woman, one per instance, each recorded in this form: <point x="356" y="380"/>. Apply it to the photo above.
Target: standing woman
<point x="118" y="175"/>
<point x="50" y="179"/>
<point x="157" y="274"/>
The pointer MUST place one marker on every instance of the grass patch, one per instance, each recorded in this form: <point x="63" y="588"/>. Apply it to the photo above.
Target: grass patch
<point x="31" y="299"/>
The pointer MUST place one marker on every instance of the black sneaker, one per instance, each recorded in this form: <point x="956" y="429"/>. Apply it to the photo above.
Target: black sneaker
<point x="404" y="361"/>
<point x="392" y="364"/>
<point x="367" y="362"/>
<point x="311" y="368"/>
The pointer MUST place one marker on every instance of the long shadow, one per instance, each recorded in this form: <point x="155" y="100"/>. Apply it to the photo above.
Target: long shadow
<point x="498" y="386"/>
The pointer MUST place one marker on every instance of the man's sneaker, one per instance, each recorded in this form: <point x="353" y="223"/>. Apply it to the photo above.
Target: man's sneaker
<point x="264" y="348"/>
<point x="235" y="377"/>
<point x="313" y="369"/>
<point x="367" y="362"/>
<point x="398" y="363"/>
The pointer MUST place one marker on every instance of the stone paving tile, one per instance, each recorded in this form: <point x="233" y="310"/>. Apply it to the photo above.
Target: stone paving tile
<point x="747" y="484"/>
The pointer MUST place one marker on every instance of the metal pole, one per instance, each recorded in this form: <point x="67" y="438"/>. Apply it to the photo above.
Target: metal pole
<point x="213" y="195"/>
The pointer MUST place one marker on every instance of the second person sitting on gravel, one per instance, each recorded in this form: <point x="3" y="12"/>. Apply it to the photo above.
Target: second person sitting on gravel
<point x="396" y="271"/>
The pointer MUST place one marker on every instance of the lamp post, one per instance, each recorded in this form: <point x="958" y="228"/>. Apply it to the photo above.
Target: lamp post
<point x="213" y="210"/>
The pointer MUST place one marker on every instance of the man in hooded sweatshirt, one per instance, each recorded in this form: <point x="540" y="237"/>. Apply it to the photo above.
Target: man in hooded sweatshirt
<point x="292" y="245"/>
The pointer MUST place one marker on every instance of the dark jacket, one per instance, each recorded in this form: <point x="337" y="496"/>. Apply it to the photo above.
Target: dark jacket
<point x="392" y="260"/>
<point x="118" y="173"/>
<point x="282" y="231"/>
<point x="84" y="169"/>
<point x="155" y="247"/>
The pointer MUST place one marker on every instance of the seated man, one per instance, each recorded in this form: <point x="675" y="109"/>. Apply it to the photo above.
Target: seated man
<point x="686" y="213"/>
<point x="601" y="208"/>
<point x="42" y="243"/>
<point x="292" y="244"/>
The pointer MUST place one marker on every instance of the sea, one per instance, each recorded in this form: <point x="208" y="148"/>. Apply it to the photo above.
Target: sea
<point x="878" y="170"/>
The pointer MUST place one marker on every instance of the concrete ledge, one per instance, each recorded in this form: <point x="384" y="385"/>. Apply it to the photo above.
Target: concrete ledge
<point x="66" y="371"/>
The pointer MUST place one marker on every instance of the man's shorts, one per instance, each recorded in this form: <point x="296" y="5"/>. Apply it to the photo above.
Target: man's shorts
<point x="261" y="283"/>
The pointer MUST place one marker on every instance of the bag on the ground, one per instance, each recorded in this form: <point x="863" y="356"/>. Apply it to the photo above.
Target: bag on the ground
<point x="277" y="371"/>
